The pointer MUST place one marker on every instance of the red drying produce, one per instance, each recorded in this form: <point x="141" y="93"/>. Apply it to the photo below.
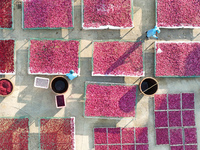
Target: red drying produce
<point x="110" y="100"/>
<point x="54" y="56"/>
<point x="7" y="56"/>
<point x="118" y="58"/>
<point x="178" y="13"/>
<point x="5" y="13"/>
<point x="57" y="133"/>
<point x="14" y="133"/>
<point x="6" y="87"/>
<point x="104" y="13"/>
<point x="177" y="59"/>
<point x="48" y="14"/>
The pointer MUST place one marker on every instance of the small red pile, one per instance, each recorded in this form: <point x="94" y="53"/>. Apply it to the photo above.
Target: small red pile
<point x="5" y="87"/>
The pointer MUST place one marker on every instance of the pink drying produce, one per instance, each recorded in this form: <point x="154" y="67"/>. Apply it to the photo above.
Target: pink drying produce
<point x="110" y="100"/>
<point x="176" y="137"/>
<point x="14" y="133"/>
<point x="114" y="136"/>
<point x="190" y="135"/>
<point x="162" y="136"/>
<point x="191" y="147"/>
<point x="174" y="101"/>
<point x="160" y="101"/>
<point x="6" y="14"/>
<point x="175" y="119"/>
<point x="100" y="136"/>
<point x="187" y="100"/>
<point x="161" y="119"/>
<point x="114" y="147"/>
<point x="97" y="13"/>
<point x="48" y="14"/>
<point x="128" y="147"/>
<point x="177" y="59"/>
<point x="57" y="133"/>
<point x="53" y="56"/>
<point x="142" y="147"/>
<point x="177" y="148"/>
<point x="188" y="118"/>
<point x="179" y="13"/>
<point x="141" y="134"/>
<point x="7" y="56"/>
<point x="128" y="135"/>
<point x="118" y="58"/>
<point x="101" y="147"/>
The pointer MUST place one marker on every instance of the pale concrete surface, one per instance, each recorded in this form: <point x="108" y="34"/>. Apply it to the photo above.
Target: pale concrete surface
<point x="35" y="103"/>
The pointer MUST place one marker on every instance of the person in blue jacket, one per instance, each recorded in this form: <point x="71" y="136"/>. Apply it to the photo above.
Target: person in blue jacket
<point x="71" y="75"/>
<point x="153" y="32"/>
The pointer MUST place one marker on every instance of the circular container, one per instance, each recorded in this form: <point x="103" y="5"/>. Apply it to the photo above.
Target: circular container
<point x="148" y="86"/>
<point x="59" y="85"/>
<point x="6" y="88"/>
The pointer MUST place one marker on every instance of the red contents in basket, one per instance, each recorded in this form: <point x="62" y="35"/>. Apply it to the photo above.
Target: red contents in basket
<point x="5" y="87"/>
<point x="60" y="100"/>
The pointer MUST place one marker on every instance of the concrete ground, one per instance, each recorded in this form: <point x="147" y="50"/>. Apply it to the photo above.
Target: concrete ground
<point x="35" y="103"/>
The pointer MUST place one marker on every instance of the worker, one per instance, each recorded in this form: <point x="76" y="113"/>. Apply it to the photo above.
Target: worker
<point x="153" y="32"/>
<point x="71" y="75"/>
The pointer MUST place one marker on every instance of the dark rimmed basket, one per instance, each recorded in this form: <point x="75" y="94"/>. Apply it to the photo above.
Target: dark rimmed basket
<point x="59" y="85"/>
<point x="148" y="86"/>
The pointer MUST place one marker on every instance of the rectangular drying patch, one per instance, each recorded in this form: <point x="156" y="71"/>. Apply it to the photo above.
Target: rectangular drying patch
<point x="114" y="147"/>
<point x="177" y="147"/>
<point x="57" y="133"/>
<point x="142" y="147"/>
<point x="128" y="147"/>
<point x="14" y="133"/>
<point x="114" y="136"/>
<point x="188" y="118"/>
<point x="128" y="135"/>
<point x="53" y="56"/>
<point x="177" y="59"/>
<point x="110" y="100"/>
<point x="101" y="147"/>
<point x="174" y="101"/>
<point x="117" y="58"/>
<point x="141" y="135"/>
<point x="121" y="138"/>
<point x="175" y="119"/>
<point x="176" y="136"/>
<point x="100" y="136"/>
<point x="177" y="14"/>
<point x="6" y="14"/>
<point x="161" y="119"/>
<point x="190" y="135"/>
<point x="181" y="118"/>
<point x="187" y="100"/>
<point x="7" y="57"/>
<point x="113" y="14"/>
<point x="42" y="14"/>
<point x="162" y="136"/>
<point x="191" y="147"/>
<point x="160" y="101"/>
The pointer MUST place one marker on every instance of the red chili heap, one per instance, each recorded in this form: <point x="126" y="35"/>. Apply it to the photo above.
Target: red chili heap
<point x="5" y="87"/>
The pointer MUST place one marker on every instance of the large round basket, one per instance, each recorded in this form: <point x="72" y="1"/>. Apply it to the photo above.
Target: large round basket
<point x="59" y="85"/>
<point x="148" y="86"/>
